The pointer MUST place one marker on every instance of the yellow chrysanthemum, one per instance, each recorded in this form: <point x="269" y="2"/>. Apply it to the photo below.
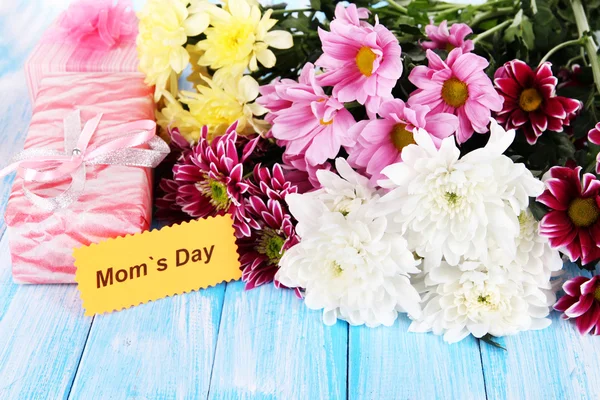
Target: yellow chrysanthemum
<point x="221" y="103"/>
<point x="252" y="3"/>
<point x="163" y="31"/>
<point x="198" y="71"/>
<point x="239" y="37"/>
<point x="173" y="115"/>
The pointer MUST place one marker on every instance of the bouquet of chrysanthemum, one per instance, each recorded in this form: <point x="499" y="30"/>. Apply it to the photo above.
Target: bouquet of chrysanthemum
<point x="410" y="157"/>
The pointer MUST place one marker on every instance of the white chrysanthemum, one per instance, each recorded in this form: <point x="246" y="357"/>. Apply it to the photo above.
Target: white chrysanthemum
<point x="450" y="207"/>
<point x="479" y="299"/>
<point x="345" y="192"/>
<point x="347" y="263"/>
<point x="534" y="259"/>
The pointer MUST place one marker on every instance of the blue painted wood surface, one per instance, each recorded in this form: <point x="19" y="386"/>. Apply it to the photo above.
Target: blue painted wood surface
<point x="224" y="343"/>
<point x="272" y="347"/>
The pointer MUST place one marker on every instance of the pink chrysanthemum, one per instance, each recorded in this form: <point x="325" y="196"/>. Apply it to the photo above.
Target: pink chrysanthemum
<point x="581" y="302"/>
<point x="271" y="99"/>
<point x="594" y="137"/>
<point x="379" y="142"/>
<point x="352" y="15"/>
<point x="457" y="86"/>
<point x="302" y="174"/>
<point x="314" y="126"/>
<point x="448" y="39"/>
<point x="530" y="100"/>
<point x="211" y="180"/>
<point x="572" y="225"/>
<point x="261" y="251"/>
<point x="361" y="62"/>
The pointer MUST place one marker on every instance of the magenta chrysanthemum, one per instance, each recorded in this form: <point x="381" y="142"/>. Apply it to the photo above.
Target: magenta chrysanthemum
<point x="448" y="39"/>
<point x="379" y="142"/>
<point x="361" y="62"/>
<point x="210" y="179"/>
<point x="581" y="302"/>
<point x="273" y="233"/>
<point x="457" y="86"/>
<point x="530" y="100"/>
<point x="314" y="126"/>
<point x="270" y="185"/>
<point x="572" y="226"/>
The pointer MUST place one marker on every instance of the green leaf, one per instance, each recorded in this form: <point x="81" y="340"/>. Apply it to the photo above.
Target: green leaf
<point x="521" y="28"/>
<point x="491" y="340"/>
<point x="410" y="29"/>
<point x="564" y="146"/>
<point x="315" y="4"/>
<point x="537" y="209"/>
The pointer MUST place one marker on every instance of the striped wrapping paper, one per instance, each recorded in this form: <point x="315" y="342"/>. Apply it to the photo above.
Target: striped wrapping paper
<point x="117" y="200"/>
<point x="53" y="55"/>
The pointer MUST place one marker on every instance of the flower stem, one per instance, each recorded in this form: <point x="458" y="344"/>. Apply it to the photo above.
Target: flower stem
<point x="284" y="11"/>
<point x="590" y="47"/>
<point x="572" y="60"/>
<point x="491" y="14"/>
<point x="559" y="47"/>
<point x="397" y="6"/>
<point x="491" y="31"/>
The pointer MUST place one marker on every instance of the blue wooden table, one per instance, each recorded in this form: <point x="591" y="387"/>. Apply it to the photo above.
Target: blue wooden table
<point x="225" y="343"/>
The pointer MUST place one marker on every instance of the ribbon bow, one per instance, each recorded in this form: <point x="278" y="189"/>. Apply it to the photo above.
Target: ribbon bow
<point x="99" y="24"/>
<point x="43" y="165"/>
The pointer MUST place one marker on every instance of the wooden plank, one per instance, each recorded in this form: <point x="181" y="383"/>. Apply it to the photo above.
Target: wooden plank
<point x="159" y="350"/>
<point x="389" y="362"/>
<point x="15" y="113"/>
<point x="42" y="335"/>
<point x="272" y="347"/>
<point x="21" y="25"/>
<point x="554" y="363"/>
<point x="42" y="328"/>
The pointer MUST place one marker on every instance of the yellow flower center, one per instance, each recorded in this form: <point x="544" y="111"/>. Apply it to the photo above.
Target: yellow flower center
<point x="215" y="191"/>
<point x="455" y="92"/>
<point x="530" y="100"/>
<point x="401" y="137"/>
<point x="597" y="293"/>
<point x="364" y="60"/>
<point x="229" y="43"/>
<point x="449" y="47"/>
<point x="583" y="212"/>
<point x="336" y="269"/>
<point x="323" y="122"/>
<point x="271" y="244"/>
<point x="451" y="198"/>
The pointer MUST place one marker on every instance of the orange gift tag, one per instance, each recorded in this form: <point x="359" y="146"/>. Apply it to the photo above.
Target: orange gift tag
<point x="126" y="271"/>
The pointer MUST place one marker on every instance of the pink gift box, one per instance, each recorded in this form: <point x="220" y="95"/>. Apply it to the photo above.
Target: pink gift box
<point x="77" y="42"/>
<point x="117" y="200"/>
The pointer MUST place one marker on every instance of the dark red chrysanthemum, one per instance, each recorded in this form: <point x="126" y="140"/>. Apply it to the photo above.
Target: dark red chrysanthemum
<point x="570" y="77"/>
<point x="530" y="100"/>
<point x="261" y="251"/>
<point x="572" y="225"/>
<point x="582" y="303"/>
<point x="594" y="137"/>
<point x="167" y="208"/>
